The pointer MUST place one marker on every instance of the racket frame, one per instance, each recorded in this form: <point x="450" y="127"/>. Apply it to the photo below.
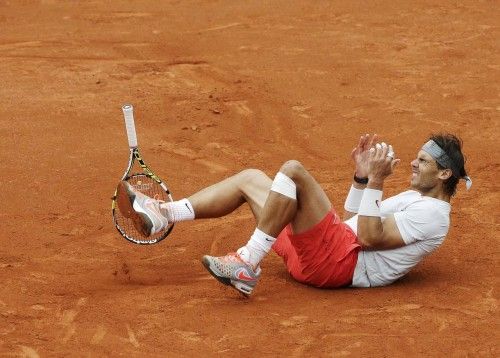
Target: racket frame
<point x="136" y="156"/>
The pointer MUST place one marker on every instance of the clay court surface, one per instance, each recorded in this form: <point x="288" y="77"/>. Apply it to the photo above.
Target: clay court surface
<point x="219" y="86"/>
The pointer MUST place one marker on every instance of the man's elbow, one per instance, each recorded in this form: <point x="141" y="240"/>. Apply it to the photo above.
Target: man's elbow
<point x="369" y="242"/>
<point x="347" y="215"/>
<point x="379" y="243"/>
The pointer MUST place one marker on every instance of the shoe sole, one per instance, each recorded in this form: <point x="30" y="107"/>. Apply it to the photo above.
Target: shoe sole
<point x="224" y="280"/>
<point x="125" y="200"/>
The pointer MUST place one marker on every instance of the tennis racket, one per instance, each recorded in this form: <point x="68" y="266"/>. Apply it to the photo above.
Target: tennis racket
<point x="142" y="179"/>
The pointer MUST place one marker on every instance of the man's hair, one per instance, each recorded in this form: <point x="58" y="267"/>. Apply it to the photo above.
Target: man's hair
<point x="452" y="145"/>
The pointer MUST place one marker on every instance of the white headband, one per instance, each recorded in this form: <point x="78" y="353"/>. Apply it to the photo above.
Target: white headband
<point x="440" y="156"/>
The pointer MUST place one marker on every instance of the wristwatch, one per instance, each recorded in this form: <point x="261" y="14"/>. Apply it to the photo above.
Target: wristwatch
<point x="360" y="180"/>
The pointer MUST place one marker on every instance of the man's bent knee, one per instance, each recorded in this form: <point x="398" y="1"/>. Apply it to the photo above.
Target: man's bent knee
<point x="253" y="178"/>
<point x="293" y="169"/>
<point x="252" y="175"/>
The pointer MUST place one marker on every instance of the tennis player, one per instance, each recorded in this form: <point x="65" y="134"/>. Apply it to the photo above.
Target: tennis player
<point x="377" y="241"/>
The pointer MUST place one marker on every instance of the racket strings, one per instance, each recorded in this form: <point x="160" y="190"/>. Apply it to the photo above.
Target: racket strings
<point x="151" y="188"/>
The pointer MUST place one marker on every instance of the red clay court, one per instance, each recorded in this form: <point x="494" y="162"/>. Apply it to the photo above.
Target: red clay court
<point x="220" y="86"/>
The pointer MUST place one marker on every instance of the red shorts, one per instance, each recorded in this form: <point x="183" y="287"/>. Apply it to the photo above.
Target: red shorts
<point x="323" y="256"/>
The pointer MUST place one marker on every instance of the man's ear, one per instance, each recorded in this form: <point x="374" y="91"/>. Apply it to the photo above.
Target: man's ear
<point x="444" y="174"/>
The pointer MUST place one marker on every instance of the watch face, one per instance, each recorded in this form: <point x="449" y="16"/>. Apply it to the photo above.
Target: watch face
<point x="360" y="180"/>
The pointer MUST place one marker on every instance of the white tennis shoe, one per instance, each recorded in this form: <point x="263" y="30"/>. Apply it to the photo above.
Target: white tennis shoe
<point x="143" y="210"/>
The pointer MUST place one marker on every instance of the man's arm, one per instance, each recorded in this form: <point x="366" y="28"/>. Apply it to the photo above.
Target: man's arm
<point x="359" y="155"/>
<point x="377" y="234"/>
<point x="373" y="233"/>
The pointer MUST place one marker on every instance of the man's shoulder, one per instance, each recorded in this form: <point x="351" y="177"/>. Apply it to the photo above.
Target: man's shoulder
<point x="405" y="197"/>
<point x="426" y="210"/>
<point x="411" y="200"/>
<point x="413" y="196"/>
<point x="407" y="194"/>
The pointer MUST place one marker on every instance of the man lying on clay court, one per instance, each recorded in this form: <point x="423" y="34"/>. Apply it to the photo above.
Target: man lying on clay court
<point x="378" y="241"/>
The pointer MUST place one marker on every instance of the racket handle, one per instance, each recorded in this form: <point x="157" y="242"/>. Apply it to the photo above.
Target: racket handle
<point x="128" y="113"/>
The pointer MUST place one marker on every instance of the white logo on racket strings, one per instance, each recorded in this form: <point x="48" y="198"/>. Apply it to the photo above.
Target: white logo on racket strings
<point x="142" y="187"/>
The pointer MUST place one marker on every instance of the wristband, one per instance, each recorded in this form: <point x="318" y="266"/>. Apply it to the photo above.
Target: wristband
<point x="360" y="180"/>
<point x="353" y="199"/>
<point x="370" y="203"/>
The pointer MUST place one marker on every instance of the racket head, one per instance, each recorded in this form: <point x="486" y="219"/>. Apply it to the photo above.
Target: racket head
<point x="152" y="186"/>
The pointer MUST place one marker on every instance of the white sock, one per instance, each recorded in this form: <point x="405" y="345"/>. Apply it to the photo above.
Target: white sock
<point x="180" y="210"/>
<point x="256" y="248"/>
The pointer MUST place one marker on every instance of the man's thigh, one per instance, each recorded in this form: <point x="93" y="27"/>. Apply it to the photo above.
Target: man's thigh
<point x="312" y="203"/>
<point x="255" y="188"/>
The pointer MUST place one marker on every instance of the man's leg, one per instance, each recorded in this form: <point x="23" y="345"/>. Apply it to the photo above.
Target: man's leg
<point x="250" y="185"/>
<point x="310" y="207"/>
<point x="295" y="197"/>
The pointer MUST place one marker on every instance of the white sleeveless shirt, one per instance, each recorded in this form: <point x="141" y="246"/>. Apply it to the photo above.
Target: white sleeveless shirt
<point x="423" y="223"/>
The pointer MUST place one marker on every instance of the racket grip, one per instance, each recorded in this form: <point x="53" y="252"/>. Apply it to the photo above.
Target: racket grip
<point x="128" y="113"/>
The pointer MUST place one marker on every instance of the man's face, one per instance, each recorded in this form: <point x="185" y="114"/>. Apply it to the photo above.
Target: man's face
<point x="425" y="172"/>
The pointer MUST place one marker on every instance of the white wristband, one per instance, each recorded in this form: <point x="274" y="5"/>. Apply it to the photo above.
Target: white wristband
<point x="370" y="203"/>
<point x="353" y="199"/>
